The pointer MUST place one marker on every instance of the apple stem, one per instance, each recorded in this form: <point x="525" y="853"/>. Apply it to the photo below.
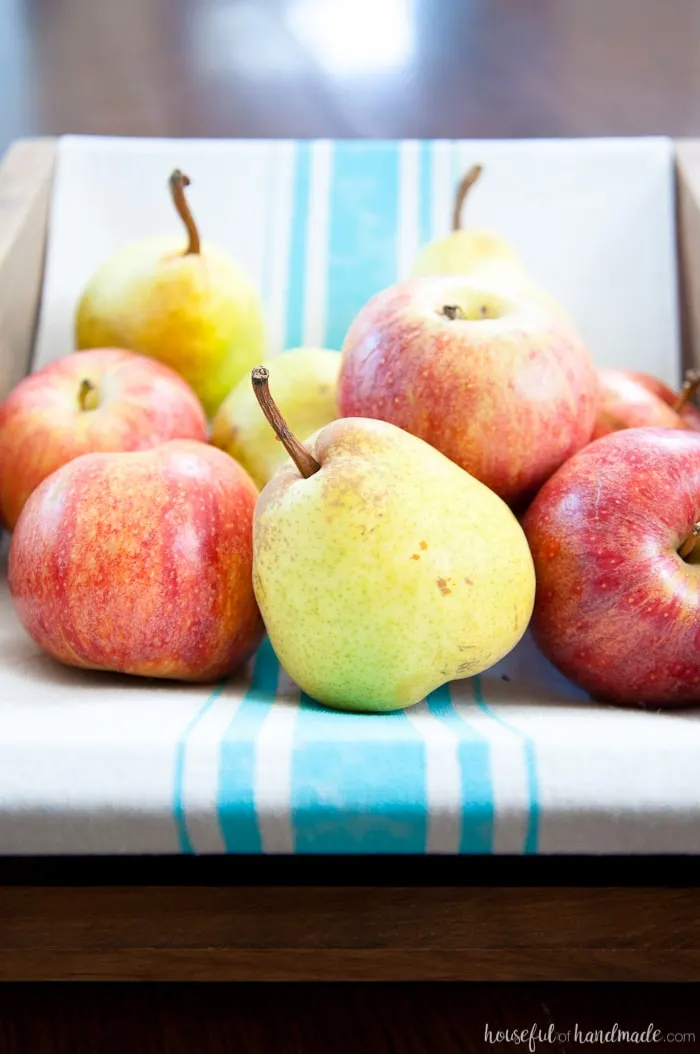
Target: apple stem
<point x="87" y="395"/>
<point x="691" y="385"/>
<point x="453" y="311"/>
<point x="690" y="542"/>
<point x="304" y="461"/>
<point x="462" y="191"/>
<point x="178" y="182"/>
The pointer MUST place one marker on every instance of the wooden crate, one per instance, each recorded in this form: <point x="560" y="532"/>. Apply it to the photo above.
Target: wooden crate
<point x="325" y="919"/>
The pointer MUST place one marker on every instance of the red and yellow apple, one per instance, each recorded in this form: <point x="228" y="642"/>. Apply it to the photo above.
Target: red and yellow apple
<point x="632" y="399"/>
<point x="498" y="381"/>
<point x="141" y="563"/>
<point x="615" y="539"/>
<point x="101" y="400"/>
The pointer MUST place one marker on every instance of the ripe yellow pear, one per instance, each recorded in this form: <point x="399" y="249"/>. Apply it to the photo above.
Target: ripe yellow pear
<point x="470" y="251"/>
<point x="381" y="568"/>
<point x="305" y="388"/>
<point x="192" y="307"/>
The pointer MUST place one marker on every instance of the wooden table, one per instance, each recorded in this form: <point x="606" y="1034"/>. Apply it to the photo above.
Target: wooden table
<point x="240" y="68"/>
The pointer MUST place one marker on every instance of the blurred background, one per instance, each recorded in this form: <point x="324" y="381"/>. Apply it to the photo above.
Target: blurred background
<point x="349" y="68"/>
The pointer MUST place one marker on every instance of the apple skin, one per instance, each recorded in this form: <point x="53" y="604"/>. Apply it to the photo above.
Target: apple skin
<point x="141" y="563"/>
<point x="617" y="610"/>
<point x="507" y="398"/>
<point x="141" y="403"/>
<point x="631" y="399"/>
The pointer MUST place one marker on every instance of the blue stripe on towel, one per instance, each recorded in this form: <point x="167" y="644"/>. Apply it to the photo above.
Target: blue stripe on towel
<point x="179" y="814"/>
<point x="358" y="783"/>
<point x="533" y="819"/>
<point x="236" y="804"/>
<point x="296" y="275"/>
<point x="363" y="225"/>
<point x="477" y="812"/>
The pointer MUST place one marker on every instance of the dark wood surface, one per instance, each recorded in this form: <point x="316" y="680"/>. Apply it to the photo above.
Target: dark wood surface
<point x="246" y="68"/>
<point x="251" y="68"/>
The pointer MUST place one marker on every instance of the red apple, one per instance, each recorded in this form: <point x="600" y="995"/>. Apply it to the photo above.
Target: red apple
<point x="100" y="400"/>
<point x="499" y="382"/>
<point x="613" y="535"/>
<point x="141" y="563"/>
<point x="631" y="399"/>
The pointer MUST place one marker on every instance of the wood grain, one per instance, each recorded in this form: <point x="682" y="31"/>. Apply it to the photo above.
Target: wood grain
<point x="352" y="933"/>
<point x="25" y="186"/>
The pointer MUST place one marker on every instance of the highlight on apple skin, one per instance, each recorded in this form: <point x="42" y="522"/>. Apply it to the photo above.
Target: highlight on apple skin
<point x="141" y="563"/>
<point x="497" y="381"/>
<point x="107" y="400"/>
<point x="615" y="539"/>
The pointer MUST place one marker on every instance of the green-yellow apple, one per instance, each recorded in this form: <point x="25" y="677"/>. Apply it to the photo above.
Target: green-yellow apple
<point x="100" y="400"/>
<point x="615" y="536"/>
<point x="141" y="563"/>
<point x="193" y="308"/>
<point x="499" y="382"/>
<point x="305" y="383"/>
<point x="381" y="568"/>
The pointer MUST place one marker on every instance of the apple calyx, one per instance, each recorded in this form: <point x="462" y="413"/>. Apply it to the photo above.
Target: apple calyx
<point x="178" y="181"/>
<point x="691" y="385"/>
<point x="462" y="190"/>
<point x="88" y="398"/>
<point x="688" y="545"/>
<point x="304" y="461"/>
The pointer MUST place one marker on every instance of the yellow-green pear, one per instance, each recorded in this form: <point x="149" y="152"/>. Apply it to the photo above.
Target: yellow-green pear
<point x="470" y="251"/>
<point x="305" y="389"/>
<point x="192" y="307"/>
<point x="381" y="568"/>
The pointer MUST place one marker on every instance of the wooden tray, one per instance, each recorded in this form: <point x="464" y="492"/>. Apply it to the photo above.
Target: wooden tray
<point x="316" y="919"/>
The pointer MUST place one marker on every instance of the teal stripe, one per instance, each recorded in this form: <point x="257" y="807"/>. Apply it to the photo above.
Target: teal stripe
<point x="296" y="275"/>
<point x="475" y="767"/>
<point x="425" y="192"/>
<point x="179" y="775"/>
<point x="236" y="804"/>
<point x="533" y="820"/>
<point x="363" y="227"/>
<point x="358" y="783"/>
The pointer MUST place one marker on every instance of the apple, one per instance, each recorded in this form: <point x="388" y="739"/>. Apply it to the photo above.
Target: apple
<point x="101" y="400"/>
<point x="498" y="381"/>
<point x="632" y="399"/>
<point x="141" y="563"/>
<point x="615" y="539"/>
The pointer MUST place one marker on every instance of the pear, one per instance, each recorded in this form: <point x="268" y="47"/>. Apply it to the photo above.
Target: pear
<point x="193" y="308"/>
<point x="481" y="253"/>
<point x="381" y="568"/>
<point x="305" y="383"/>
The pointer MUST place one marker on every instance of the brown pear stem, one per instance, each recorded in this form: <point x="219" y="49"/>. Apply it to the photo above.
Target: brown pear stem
<point x="178" y="182"/>
<point x="691" y="385"/>
<point x="690" y="542"/>
<point x="87" y="395"/>
<point x="462" y="191"/>
<point x="304" y="461"/>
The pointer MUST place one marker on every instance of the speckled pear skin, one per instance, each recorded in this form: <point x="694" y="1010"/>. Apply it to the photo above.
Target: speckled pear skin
<point x="388" y="572"/>
<point x="198" y="313"/>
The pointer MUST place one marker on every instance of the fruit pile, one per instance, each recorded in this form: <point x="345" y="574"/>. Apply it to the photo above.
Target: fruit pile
<point x="393" y="517"/>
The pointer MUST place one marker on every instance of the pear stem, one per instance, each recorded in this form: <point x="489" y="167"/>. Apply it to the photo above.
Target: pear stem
<point x="690" y="542"/>
<point x="462" y="191"/>
<point x="691" y="385"/>
<point x="87" y="395"/>
<point x="178" y="182"/>
<point x="304" y="461"/>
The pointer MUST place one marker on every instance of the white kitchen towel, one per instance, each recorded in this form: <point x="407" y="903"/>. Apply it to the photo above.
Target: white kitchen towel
<point x="514" y="761"/>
